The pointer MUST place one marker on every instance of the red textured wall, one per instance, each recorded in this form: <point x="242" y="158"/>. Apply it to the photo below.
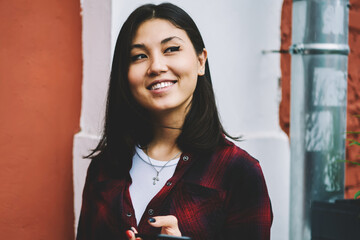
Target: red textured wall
<point x="352" y="174"/>
<point x="40" y="95"/>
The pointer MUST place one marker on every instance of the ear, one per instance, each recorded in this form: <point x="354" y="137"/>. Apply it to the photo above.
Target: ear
<point x="202" y="60"/>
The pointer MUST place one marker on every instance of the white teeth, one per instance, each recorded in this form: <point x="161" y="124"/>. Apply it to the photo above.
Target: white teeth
<point x="161" y="85"/>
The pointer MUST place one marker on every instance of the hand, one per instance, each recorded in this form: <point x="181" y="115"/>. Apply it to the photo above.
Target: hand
<point x="131" y="234"/>
<point x="168" y="224"/>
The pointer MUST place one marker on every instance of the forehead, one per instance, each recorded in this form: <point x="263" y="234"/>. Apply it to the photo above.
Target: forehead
<point x="155" y="30"/>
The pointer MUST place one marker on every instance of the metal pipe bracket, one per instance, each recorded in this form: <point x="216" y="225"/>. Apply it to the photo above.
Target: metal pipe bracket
<point x="319" y="48"/>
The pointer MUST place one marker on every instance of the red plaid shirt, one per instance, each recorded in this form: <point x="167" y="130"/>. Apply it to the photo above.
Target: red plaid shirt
<point x="222" y="196"/>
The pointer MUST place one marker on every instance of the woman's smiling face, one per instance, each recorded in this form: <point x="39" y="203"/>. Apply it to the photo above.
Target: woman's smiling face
<point x="164" y="66"/>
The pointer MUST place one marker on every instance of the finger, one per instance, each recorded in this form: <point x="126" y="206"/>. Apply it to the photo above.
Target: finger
<point x="168" y="224"/>
<point x="135" y="231"/>
<point x="163" y="221"/>
<point x="131" y="234"/>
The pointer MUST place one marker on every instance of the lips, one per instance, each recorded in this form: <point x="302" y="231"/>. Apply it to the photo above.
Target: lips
<point x="156" y="85"/>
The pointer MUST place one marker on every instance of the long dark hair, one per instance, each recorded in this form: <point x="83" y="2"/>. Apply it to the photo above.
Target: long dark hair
<point x="127" y="123"/>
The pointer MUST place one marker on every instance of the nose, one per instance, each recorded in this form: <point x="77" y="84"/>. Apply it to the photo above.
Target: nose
<point x="157" y="65"/>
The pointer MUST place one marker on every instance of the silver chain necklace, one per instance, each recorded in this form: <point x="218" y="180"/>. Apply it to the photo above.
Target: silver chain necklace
<point x="156" y="178"/>
<point x="147" y="161"/>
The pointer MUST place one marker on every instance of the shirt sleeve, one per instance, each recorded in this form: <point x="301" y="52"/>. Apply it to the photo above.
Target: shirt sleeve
<point x="249" y="213"/>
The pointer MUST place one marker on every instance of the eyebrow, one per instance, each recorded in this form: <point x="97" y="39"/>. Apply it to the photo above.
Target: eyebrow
<point x="169" y="39"/>
<point x="142" y="46"/>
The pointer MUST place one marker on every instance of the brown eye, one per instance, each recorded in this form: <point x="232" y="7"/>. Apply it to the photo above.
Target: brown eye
<point x="172" y="49"/>
<point x="138" y="57"/>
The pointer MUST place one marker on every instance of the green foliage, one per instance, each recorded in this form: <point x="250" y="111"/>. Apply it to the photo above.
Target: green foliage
<point x="353" y="132"/>
<point x="354" y="142"/>
<point x="352" y="162"/>
<point x="357" y="195"/>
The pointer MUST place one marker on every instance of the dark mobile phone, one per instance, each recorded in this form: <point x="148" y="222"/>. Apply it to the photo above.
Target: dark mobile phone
<point x="161" y="237"/>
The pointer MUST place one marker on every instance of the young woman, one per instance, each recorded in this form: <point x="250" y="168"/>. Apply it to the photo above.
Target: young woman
<point x="163" y="164"/>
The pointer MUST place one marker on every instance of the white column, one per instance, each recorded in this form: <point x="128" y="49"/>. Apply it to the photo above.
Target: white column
<point x="96" y="39"/>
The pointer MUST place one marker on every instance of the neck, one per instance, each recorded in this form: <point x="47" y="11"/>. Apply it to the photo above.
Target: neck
<point x="167" y="128"/>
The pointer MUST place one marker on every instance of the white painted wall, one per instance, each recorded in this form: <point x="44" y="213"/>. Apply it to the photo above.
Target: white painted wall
<point x="245" y="82"/>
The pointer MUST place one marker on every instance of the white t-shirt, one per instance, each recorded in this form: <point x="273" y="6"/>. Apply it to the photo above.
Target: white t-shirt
<point x="142" y="189"/>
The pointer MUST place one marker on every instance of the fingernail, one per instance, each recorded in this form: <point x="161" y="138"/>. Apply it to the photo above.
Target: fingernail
<point x="152" y="220"/>
<point x="129" y="233"/>
<point x="132" y="229"/>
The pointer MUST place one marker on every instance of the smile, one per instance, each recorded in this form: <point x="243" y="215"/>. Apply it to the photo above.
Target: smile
<point x="160" y="85"/>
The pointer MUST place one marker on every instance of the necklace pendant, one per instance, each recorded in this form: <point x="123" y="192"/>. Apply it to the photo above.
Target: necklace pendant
<point x="155" y="179"/>
<point x="157" y="172"/>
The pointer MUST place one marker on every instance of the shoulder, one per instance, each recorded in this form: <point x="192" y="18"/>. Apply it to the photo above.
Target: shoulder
<point x="94" y="170"/>
<point x="239" y="164"/>
<point x="235" y="156"/>
<point x="101" y="169"/>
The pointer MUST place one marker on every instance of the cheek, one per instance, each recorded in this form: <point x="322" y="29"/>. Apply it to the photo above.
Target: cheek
<point x="187" y="68"/>
<point x="134" y="77"/>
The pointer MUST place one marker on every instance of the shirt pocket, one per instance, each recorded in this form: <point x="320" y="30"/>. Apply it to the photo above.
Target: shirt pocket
<point x="199" y="210"/>
<point x="203" y="197"/>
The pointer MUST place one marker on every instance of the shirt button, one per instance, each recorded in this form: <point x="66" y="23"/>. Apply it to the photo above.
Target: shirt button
<point x="128" y="214"/>
<point x="151" y="212"/>
<point x="168" y="183"/>
<point x="185" y="158"/>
